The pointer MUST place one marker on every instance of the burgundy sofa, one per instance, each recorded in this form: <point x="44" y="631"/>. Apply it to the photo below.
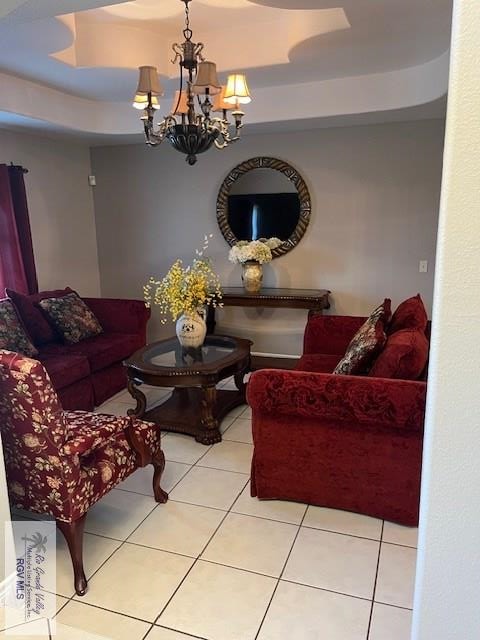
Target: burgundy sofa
<point x="338" y="441"/>
<point x="89" y="372"/>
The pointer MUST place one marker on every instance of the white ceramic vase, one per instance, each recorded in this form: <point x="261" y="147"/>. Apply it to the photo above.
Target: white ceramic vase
<point x="191" y="329"/>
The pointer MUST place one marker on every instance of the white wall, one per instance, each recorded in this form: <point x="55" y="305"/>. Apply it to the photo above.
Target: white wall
<point x="375" y="192"/>
<point x="61" y="209"/>
<point x="5" y="527"/>
<point x="448" y="575"/>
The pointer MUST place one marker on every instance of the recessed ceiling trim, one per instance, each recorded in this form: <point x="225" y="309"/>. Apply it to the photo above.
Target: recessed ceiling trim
<point x="342" y="96"/>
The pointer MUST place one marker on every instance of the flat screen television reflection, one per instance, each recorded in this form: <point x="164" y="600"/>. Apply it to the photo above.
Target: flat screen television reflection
<point x="263" y="215"/>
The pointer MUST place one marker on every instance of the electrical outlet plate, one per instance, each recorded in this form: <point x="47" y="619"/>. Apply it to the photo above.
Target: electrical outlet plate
<point x="423" y="266"/>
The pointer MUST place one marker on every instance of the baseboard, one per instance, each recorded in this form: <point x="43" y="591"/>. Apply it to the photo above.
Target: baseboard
<point x="261" y="354"/>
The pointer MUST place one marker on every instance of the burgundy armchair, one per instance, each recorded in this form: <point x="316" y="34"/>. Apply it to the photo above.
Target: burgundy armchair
<point x="61" y="462"/>
<point x="344" y="442"/>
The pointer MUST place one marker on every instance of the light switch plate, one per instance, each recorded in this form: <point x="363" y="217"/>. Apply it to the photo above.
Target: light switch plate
<point x="423" y="266"/>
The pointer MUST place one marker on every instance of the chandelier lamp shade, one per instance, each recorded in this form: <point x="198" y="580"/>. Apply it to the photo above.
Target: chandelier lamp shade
<point x="191" y="127"/>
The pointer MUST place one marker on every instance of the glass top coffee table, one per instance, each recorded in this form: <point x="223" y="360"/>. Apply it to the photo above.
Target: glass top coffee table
<point x="196" y="407"/>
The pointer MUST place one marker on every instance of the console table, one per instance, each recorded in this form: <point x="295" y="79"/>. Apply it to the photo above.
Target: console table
<point x="315" y="300"/>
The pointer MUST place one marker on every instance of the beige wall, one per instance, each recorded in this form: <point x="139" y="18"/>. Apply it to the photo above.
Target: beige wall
<point x="61" y="209"/>
<point x="375" y="193"/>
<point x="448" y="572"/>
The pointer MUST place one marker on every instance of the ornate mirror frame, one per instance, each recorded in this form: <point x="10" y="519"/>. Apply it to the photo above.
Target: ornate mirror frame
<point x="264" y="162"/>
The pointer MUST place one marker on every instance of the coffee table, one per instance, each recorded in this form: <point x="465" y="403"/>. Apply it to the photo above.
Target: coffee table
<point x="196" y="407"/>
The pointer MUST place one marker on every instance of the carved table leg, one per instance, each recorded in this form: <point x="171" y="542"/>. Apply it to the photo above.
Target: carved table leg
<point x="140" y="398"/>
<point x="158" y="461"/>
<point x="210" y="432"/>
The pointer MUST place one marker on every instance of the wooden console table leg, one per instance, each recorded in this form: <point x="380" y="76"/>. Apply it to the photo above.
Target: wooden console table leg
<point x="210" y="433"/>
<point x="210" y="319"/>
<point x="239" y="379"/>
<point x="316" y="311"/>
<point x="134" y="391"/>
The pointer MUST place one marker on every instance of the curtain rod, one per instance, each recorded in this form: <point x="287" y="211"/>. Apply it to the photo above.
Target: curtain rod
<point x="17" y="166"/>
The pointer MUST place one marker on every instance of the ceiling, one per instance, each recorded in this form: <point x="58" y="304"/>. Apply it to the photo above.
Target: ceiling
<point x="79" y="58"/>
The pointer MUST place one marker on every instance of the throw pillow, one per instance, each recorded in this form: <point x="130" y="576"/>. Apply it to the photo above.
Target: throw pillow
<point x="71" y="317"/>
<point x="13" y="336"/>
<point x="410" y="314"/>
<point x="404" y="356"/>
<point x="366" y="343"/>
<point x="32" y="317"/>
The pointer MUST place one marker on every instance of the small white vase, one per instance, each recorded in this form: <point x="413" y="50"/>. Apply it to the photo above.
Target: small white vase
<point x="191" y="329"/>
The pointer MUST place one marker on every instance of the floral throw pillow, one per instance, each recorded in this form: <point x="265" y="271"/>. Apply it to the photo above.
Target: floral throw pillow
<point x="71" y="317"/>
<point x="367" y="343"/>
<point x="13" y="336"/>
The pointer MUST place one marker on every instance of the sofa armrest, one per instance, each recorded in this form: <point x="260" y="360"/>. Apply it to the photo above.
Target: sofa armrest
<point x="338" y="400"/>
<point x="330" y="334"/>
<point x="121" y="316"/>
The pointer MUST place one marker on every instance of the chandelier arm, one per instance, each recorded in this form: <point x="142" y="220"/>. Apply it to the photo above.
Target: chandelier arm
<point x="180" y="90"/>
<point x="177" y="50"/>
<point x="220" y="145"/>
<point x="198" y="51"/>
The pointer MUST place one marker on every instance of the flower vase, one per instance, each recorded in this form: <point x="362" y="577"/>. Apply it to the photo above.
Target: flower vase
<point x="191" y="329"/>
<point x="252" y="276"/>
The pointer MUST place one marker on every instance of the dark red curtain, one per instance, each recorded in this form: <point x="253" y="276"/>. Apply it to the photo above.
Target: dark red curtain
<point x="17" y="264"/>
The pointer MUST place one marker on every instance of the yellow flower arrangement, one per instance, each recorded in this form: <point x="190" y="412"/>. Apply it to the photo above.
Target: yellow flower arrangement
<point x="185" y="290"/>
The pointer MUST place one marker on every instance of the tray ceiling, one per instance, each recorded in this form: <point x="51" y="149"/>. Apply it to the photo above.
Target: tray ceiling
<point x="90" y="49"/>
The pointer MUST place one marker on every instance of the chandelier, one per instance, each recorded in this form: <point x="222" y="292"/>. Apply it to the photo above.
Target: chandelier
<point x="190" y="127"/>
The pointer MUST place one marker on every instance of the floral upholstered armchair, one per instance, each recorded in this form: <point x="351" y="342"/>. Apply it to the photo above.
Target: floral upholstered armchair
<point x="61" y="462"/>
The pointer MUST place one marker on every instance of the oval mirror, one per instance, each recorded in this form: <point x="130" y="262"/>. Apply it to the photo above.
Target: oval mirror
<point x="264" y="198"/>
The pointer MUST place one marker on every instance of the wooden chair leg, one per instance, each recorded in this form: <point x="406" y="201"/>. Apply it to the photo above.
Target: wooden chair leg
<point x="73" y="533"/>
<point x="158" y="461"/>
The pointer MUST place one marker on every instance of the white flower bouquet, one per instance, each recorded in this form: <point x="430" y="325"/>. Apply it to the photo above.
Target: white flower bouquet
<point x="256" y="250"/>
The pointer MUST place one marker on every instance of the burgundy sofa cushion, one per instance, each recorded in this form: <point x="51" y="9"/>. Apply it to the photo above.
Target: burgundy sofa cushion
<point x="404" y="356"/>
<point x="101" y="351"/>
<point x="330" y="334"/>
<point x="366" y="343"/>
<point x="107" y="382"/>
<point x="36" y="324"/>
<point x="410" y="314"/>
<point x="78" y="396"/>
<point x="65" y="369"/>
<point x="122" y="316"/>
<point x="318" y="362"/>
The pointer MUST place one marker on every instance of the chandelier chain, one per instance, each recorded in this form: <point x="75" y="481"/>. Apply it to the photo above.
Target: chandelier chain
<point x="187" y="32"/>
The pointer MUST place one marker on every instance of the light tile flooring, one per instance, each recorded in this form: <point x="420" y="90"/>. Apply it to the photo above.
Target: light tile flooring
<point x="214" y="563"/>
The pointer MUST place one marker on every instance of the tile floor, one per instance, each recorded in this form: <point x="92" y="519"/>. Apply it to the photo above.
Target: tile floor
<point x="215" y="564"/>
